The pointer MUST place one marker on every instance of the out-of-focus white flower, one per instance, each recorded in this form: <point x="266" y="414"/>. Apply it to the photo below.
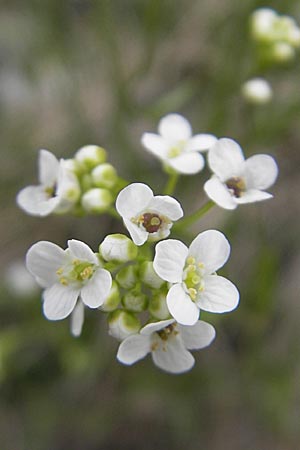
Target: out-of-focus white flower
<point x="169" y="344"/>
<point x="147" y="216"/>
<point x="175" y="145"/>
<point x="58" y="189"/>
<point x="257" y="91"/>
<point x="191" y="271"/>
<point x="104" y="176"/>
<point x="263" y="21"/>
<point x="236" y="180"/>
<point x="19" y="281"/>
<point x="70" y="277"/>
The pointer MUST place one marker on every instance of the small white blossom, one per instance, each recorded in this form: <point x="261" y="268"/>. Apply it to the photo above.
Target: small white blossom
<point x="118" y="247"/>
<point x="70" y="277"/>
<point x="175" y="145"/>
<point x="169" y="344"/>
<point x="58" y="189"/>
<point x="96" y="200"/>
<point x="257" y="91"/>
<point x="147" y="216"/>
<point x="236" y="180"/>
<point x="195" y="285"/>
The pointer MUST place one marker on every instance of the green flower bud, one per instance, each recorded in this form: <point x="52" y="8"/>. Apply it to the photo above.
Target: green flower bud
<point x="283" y="52"/>
<point x="119" y="248"/>
<point x="127" y="277"/>
<point x="112" y="301"/>
<point x="104" y="176"/>
<point x="135" y="300"/>
<point x="158" y="306"/>
<point x="122" y="324"/>
<point x="90" y="156"/>
<point x="97" y="200"/>
<point x="149" y="277"/>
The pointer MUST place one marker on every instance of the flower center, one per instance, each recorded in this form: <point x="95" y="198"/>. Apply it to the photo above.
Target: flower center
<point x="177" y="149"/>
<point x="160" y="337"/>
<point x="76" y="271"/>
<point x="236" y="185"/>
<point x="151" y="222"/>
<point x="193" y="277"/>
<point x="50" y="190"/>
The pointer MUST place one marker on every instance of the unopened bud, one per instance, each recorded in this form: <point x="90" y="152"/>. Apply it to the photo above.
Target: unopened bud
<point x="112" y="301"/>
<point x="90" y="156"/>
<point x="104" y="176"/>
<point x="97" y="200"/>
<point x="158" y="306"/>
<point x="283" y="52"/>
<point x="149" y="277"/>
<point x="257" y="91"/>
<point x="135" y="300"/>
<point x="118" y="247"/>
<point x="122" y="324"/>
<point x="127" y="277"/>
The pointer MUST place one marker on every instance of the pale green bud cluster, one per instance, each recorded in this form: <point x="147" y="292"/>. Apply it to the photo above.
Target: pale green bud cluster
<point x="277" y="36"/>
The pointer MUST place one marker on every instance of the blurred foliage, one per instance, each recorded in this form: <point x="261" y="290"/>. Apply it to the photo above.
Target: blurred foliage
<point x="76" y="72"/>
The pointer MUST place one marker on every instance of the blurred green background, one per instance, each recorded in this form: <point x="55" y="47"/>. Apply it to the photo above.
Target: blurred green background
<point x="76" y="72"/>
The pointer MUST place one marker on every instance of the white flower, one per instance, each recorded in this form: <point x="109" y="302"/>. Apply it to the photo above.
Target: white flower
<point x="147" y="216"/>
<point x="192" y="273"/>
<point x="176" y="146"/>
<point x="257" y="91"/>
<point x="58" y="189"/>
<point x="236" y="180"/>
<point x="70" y="277"/>
<point x="169" y="344"/>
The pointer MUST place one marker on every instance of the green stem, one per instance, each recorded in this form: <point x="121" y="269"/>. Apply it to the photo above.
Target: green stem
<point x="113" y="213"/>
<point x="171" y="184"/>
<point x="187" y="221"/>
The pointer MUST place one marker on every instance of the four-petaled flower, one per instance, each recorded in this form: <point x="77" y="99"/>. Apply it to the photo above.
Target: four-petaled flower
<point x="169" y="344"/>
<point x="192" y="272"/>
<point x="176" y="146"/>
<point x="58" y="189"/>
<point x="236" y="180"/>
<point x="72" y="278"/>
<point x="147" y="216"/>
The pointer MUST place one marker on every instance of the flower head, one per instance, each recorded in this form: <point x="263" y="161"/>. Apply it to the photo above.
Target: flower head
<point x="257" y="91"/>
<point x="147" y="216"/>
<point x="68" y="275"/>
<point x="58" y="188"/>
<point x="176" y="146"/>
<point x="195" y="285"/>
<point x="169" y="344"/>
<point x="236" y="180"/>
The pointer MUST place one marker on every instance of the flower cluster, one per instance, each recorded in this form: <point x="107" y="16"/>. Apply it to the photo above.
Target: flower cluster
<point x="278" y="36"/>
<point x="151" y="289"/>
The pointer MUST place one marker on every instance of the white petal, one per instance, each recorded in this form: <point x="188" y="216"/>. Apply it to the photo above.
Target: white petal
<point x="252" y="196"/>
<point x="155" y="144"/>
<point x="226" y="159"/>
<point x="201" y="142"/>
<point x="48" y="168"/>
<point x="198" y="336"/>
<point x="155" y="326"/>
<point x="77" y="318"/>
<point x="174" y="127"/>
<point x="173" y="357"/>
<point x="219" y="295"/>
<point x="210" y="248"/>
<point x="261" y="172"/>
<point x="217" y="192"/>
<point x="133" y="349"/>
<point x="170" y="259"/>
<point x="59" y="301"/>
<point x="138" y="235"/>
<point x="94" y="293"/>
<point x="35" y="201"/>
<point x="181" y="306"/>
<point x="80" y="250"/>
<point x="43" y="259"/>
<point x="133" y="199"/>
<point x="167" y="206"/>
<point x="187" y="163"/>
